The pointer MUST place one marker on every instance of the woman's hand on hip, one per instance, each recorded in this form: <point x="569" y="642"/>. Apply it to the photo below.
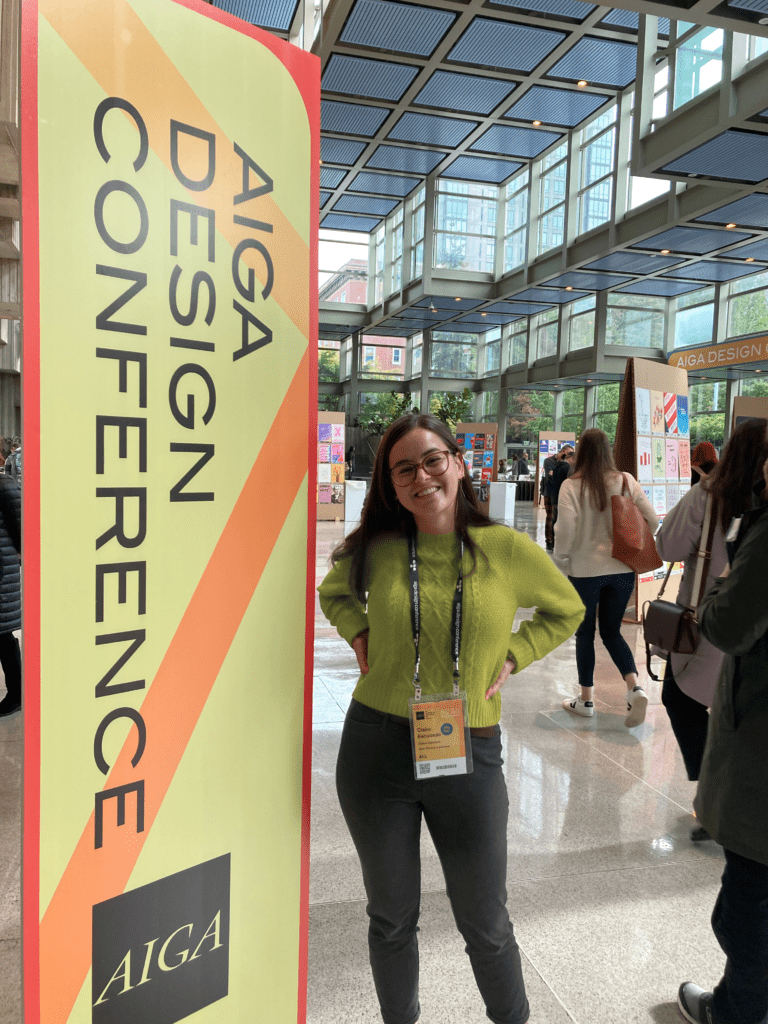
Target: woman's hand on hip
<point x="506" y="669"/>
<point x="360" y="647"/>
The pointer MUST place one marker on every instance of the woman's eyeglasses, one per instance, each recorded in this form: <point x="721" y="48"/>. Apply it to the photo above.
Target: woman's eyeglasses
<point x="435" y="464"/>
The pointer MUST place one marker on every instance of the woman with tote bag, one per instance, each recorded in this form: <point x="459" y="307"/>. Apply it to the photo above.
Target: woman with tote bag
<point x="584" y="546"/>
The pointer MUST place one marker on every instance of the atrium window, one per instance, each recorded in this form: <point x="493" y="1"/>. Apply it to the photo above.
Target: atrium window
<point x="516" y="225"/>
<point x="706" y="405"/>
<point x="698" y="63"/>
<point x="396" y="279"/>
<point x="554" y="173"/>
<point x="490" y="406"/>
<point x="492" y="352"/>
<point x="528" y="413"/>
<point x="597" y="164"/>
<point x="417" y="350"/>
<point x="755" y="387"/>
<point x="545" y="328"/>
<point x="379" y="362"/>
<point x="417" y="234"/>
<point x="643" y="190"/>
<point x="465" y="220"/>
<point x="636" y="320"/>
<point x="607" y="415"/>
<point x="328" y="362"/>
<point x="581" y="323"/>
<point x="518" y="346"/>
<point x="694" y="317"/>
<point x="343" y="266"/>
<point x="573" y="411"/>
<point x="748" y="305"/>
<point x="378" y="290"/>
<point x="453" y="355"/>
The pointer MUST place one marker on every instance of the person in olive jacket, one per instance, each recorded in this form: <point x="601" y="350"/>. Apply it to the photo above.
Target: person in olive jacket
<point x="10" y="592"/>
<point x="732" y="798"/>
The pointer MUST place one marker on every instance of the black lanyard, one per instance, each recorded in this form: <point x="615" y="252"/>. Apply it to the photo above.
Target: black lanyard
<point x="413" y="592"/>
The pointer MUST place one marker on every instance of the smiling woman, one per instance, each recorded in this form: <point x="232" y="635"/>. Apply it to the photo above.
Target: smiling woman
<point x="426" y="591"/>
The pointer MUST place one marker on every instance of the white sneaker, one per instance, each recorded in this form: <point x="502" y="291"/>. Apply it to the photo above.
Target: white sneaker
<point x="580" y="707"/>
<point x="637" y="702"/>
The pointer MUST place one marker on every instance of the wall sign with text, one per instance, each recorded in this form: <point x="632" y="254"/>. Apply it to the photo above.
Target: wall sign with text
<point x="170" y="168"/>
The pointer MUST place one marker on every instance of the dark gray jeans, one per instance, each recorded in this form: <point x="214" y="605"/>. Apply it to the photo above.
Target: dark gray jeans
<point x="466" y="815"/>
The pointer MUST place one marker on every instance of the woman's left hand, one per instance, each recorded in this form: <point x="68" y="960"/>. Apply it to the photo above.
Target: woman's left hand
<point x="506" y="669"/>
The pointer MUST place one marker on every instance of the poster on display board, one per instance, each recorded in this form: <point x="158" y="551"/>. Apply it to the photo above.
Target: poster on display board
<point x="170" y="310"/>
<point x="331" y="467"/>
<point x="478" y="441"/>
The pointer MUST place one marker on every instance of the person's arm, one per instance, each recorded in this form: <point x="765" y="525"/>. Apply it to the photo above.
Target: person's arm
<point x="733" y="614"/>
<point x="680" y="532"/>
<point x="558" y="608"/>
<point x="10" y="508"/>
<point x="646" y="508"/>
<point x="339" y="604"/>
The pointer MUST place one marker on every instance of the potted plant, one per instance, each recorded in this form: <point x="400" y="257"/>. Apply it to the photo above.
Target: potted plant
<point x="376" y="417"/>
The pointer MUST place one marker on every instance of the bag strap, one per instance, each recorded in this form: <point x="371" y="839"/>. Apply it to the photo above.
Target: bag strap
<point x="666" y="579"/>
<point x="704" y="554"/>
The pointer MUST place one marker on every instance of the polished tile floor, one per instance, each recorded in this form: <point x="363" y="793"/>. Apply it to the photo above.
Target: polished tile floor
<point x="609" y="898"/>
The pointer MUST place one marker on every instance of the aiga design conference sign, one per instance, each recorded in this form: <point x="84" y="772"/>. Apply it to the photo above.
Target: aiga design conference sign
<point x="170" y="173"/>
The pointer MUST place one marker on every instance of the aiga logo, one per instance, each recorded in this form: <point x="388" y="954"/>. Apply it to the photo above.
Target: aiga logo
<point x="161" y="952"/>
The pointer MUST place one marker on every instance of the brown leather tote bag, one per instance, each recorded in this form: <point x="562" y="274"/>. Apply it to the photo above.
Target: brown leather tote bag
<point x="633" y="542"/>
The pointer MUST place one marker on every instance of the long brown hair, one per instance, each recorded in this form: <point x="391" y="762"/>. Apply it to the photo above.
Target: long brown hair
<point x="383" y="514"/>
<point x="738" y="470"/>
<point x="594" y="459"/>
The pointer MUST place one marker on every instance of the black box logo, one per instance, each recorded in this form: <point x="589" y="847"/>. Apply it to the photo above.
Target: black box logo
<point x="161" y="952"/>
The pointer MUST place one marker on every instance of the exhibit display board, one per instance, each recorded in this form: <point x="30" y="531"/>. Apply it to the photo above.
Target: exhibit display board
<point x="479" y="441"/>
<point x="331" y="443"/>
<point x="550" y="443"/>
<point x="170" y="159"/>
<point x="653" y="443"/>
<point x="745" y="407"/>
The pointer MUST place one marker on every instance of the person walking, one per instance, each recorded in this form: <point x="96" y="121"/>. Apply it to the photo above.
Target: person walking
<point x="10" y="592"/>
<point x="426" y="591"/>
<point x="732" y="797"/>
<point x="583" y="545"/>
<point x="563" y="469"/>
<point x="703" y="461"/>
<point x="689" y="680"/>
<point x="547" y="469"/>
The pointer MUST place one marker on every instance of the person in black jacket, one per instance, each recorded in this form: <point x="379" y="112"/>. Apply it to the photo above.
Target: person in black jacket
<point x="732" y="798"/>
<point x="561" y="472"/>
<point x="10" y="592"/>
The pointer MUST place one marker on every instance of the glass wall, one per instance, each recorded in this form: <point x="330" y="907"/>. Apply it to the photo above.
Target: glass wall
<point x="551" y="221"/>
<point x="581" y="323"/>
<point x="694" y="317"/>
<point x="596" y="165"/>
<point x="607" y="415"/>
<point x="492" y="340"/>
<point x="396" y="276"/>
<point x="417" y="234"/>
<point x="465" y="226"/>
<point x="748" y="305"/>
<point x="328" y="362"/>
<point x="382" y="358"/>
<point x="516" y="224"/>
<point x="573" y="411"/>
<point x="528" y="412"/>
<point x="343" y="266"/>
<point x="706" y="403"/>
<point x="544" y="328"/>
<point x="453" y="355"/>
<point x="635" y="320"/>
<point x="698" y="63"/>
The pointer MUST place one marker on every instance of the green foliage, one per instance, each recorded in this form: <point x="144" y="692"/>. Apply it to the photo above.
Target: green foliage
<point x="378" y="415"/>
<point x="748" y="314"/>
<point x="451" y="407"/>
<point x="529" y="412"/>
<point x="328" y="366"/>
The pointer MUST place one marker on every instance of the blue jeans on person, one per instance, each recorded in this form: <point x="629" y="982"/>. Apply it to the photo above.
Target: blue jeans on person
<point x="608" y="595"/>
<point x="383" y="805"/>
<point x="740" y="924"/>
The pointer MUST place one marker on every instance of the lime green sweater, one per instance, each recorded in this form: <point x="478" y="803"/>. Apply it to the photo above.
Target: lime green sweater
<point x="517" y="574"/>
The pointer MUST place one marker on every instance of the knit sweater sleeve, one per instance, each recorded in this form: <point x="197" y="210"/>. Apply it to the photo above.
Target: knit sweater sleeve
<point x="558" y="607"/>
<point x="339" y="604"/>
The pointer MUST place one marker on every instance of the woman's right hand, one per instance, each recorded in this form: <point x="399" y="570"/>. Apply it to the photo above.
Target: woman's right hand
<point x="360" y="647"/>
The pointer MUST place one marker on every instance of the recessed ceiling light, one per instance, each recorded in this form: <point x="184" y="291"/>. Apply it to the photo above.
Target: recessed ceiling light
<point x="483" y="314"/>
<point x="728" y="226"/>
<point x="536" y="123"/>
<point x="581" y="84"/>
<point x="589" y="380"/>
<point x="665" y="252"/>
<point x="762" y="21"/>
<point x="569" y="287"/>
<point x="750" y="259"/>
<point x="458" y="298"/>
<point x="758" y="371"/>
<point x="321" y="161"/>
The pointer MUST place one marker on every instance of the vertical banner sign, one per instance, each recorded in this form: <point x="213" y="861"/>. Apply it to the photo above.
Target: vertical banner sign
<point x="170" y="176"/>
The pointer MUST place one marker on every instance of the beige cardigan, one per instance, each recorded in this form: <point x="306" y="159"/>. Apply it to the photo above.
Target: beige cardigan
<point x="584" y="536"/>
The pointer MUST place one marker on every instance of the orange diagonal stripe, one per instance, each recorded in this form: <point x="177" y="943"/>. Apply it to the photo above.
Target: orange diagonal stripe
<point x="138" y="69"/>
<point x="174" y="702"/>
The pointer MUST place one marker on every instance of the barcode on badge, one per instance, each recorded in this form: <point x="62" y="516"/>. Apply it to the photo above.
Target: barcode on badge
<point x="425" y="769"/>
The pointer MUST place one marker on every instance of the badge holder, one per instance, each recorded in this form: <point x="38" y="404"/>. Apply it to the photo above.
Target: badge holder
<point x="440" y="736"/>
